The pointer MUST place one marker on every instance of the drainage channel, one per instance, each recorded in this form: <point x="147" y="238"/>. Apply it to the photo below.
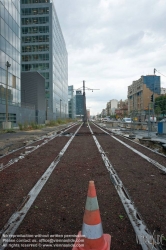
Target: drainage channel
<point x="30" y="149"/>
<point x="15" y="220"/>
<point x="155" y="163"/>
<point x="144" y="237"/>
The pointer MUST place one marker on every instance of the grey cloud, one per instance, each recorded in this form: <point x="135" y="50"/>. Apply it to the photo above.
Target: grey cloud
<point x="112" y="44"/>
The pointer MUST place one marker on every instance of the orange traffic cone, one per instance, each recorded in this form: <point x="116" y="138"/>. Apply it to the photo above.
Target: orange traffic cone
<point x="91" y="237"/>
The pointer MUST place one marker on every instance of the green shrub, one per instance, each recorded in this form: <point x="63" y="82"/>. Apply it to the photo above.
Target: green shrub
<point x="20" y="126"/>
<point x="25" y="126"/>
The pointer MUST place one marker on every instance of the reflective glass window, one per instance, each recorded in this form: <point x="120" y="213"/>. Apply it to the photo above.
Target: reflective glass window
<point x="6" y="32"/>
<point x="6" y="4"/>
<point x="3" y="2"/>
<point x="2" y="10"/>
<point x="6" y="16"/>
<point x="10" y="21"/>
<point x="3" y="74"/>
<point x="2" y="30"/>
<point x="2" y="43"/>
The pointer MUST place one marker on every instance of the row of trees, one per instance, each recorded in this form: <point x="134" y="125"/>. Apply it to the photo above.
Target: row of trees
<point x="160" y="105"/>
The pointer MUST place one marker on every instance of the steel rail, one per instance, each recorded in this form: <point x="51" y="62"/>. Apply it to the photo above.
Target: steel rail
<point x="33" y="148"/>
<point x="144" y="237"/>
<point x="138" y="143"/>
<point x="153" y="162"/>
<point x="42" y="138"/>
<point x="15" y="220"/>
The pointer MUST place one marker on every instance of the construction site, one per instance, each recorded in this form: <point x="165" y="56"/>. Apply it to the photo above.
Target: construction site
<point x="82" y="187"/>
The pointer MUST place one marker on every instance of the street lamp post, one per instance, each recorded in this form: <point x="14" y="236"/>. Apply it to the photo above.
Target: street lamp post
<point x="60" y="107"/>
<point x="65" y="110"/>
<point x="7" y="65"/>
<point x="46" y="109"/>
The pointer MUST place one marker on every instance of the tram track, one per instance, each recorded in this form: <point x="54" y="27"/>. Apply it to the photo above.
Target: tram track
<point x="144" y="153"/>
<point x="19" y="154"/>
<point x="146" y="185"/>
<point x="17" y="180"/>
<point x="123" y="137"/>
<point x="58" y="206"/>
<point x="18" y="216"/>
<point x="136" y="143"/>
<point x="140" y="228"/>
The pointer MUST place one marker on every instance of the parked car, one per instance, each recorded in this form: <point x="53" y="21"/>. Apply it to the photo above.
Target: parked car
<point x="127" y="120"/>
<point x="163" y="120"/>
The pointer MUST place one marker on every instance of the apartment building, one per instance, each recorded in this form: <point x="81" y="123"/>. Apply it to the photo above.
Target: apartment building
<point x="163" y="91"/>
<point x="44" y="50"/>
<point x="122" y="109"/>
<point x="111" y="106"/>
<point x="103" y="113"/>
<point x="141" y="91"/>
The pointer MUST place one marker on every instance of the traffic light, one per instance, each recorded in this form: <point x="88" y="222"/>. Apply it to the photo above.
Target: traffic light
<point x="151" y="98"/>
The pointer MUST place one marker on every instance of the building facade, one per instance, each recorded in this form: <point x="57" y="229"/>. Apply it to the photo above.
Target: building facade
<point x="103" y="113"/>
<point x="33" y="96"/>
<point x="141" y="91"/>
<point x="111" y="106"/>
<point x="79" y="104"/>
<point x="122" y="109"/>
<point x="163" y="91"/>
<point x="44" y="50"/>
<point x="10" y="52"/>
<point x="71" y="103"/>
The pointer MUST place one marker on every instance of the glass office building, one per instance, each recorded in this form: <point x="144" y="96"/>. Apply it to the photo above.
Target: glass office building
<point x="79" y="104"/>
<point x="71" y="102"/>
<point x="9" y="52"/>
<point x="44" y="50"/>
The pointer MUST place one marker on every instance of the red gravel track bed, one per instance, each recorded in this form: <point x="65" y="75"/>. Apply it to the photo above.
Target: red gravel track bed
<point x="17" y="180"/>
<point x="145" y="183"/>
<point x="59" y="208"/>
<point x="159" y="158"/>
<point x="5" y="159"/>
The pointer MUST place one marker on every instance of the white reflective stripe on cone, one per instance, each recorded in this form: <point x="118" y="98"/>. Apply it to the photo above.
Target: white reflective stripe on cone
<point x="91" y="204"/>
<point x="92" y="231"/>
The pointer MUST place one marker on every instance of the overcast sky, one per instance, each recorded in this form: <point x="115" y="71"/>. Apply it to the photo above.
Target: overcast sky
<point x="111" y="43"/>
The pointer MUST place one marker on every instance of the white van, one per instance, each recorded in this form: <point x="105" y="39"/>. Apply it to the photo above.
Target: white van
<point x="106" y="119"/>
<point x="152" y="119"/>
<point x="127" y="120"/>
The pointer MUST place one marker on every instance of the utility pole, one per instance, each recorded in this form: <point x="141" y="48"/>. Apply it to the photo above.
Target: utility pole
<point x="84" y="104"/>
<point x="153" y="93"/>
<point x="7" y="65"/>
<point x="84" y="118"/>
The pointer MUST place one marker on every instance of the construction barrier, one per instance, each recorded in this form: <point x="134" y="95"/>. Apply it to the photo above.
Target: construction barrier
<point x="91" y="237"/>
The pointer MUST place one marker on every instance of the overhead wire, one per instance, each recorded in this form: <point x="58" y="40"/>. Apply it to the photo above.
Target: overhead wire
<point x="160" y="73"/>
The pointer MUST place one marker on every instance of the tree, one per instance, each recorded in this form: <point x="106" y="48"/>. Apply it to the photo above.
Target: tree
<point x="158" y="111"/>
<point x="160" y="105"/>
